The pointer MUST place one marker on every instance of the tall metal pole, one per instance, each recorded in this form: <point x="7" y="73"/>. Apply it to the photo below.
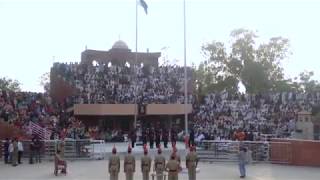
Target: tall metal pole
<point x="185" y="69"/>
<point x="136" y="61"/>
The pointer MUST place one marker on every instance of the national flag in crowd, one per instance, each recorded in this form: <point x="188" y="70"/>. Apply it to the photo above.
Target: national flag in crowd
<point x="144" y="5"/>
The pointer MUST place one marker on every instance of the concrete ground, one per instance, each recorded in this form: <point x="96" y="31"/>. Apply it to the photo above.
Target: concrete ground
<point x="97" y="169"/>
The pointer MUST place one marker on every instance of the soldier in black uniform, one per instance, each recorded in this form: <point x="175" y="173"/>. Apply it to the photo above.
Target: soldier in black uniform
<point x="144" y="137"/>
<point x="151" y="138"/>
<point x="158" y="137"/>
<point x="133" y="137"/>
<point x="165" y="138"/>
<point x="173" y="135"/>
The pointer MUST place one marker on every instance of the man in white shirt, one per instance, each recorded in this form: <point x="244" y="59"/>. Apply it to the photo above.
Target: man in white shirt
<point x="20" y="151"/>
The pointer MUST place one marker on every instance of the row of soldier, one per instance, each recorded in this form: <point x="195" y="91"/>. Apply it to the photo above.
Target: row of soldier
<point x="155" y="137"/>
<point x="160" y="166"/>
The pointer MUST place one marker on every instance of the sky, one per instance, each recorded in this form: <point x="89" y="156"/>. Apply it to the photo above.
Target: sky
<point x="36" y="33"/>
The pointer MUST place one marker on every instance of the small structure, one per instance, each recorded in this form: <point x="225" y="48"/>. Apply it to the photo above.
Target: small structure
<point x="304" y="126"/>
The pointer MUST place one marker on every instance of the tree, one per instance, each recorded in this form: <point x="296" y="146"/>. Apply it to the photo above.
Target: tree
<point x="45" y="81"/>
<point x="306" y="82"/>
<point x="258" y="67"/>
<point x="9" y="84"/>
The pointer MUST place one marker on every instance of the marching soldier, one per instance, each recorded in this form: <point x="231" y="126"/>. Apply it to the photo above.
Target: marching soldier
<point x="165" y="138"/>
<point x="151" y="138"/>
<point x="145" y="165"/>
<point x="192" y="163"/>
<point x="159" y="165"/>
<point x="158" y="137"/>
<point x="176" y="155"/>
<point x="173" y="168"/>
<point x="114" y="165"/>
<point x="129" y="165"/>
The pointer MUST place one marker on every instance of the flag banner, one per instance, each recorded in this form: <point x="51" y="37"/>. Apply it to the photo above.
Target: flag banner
<point x="144" y="5"/>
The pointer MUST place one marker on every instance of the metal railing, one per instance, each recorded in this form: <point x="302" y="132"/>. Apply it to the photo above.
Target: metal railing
<point x="211" y="150"/>
<point x="72" y="149"/>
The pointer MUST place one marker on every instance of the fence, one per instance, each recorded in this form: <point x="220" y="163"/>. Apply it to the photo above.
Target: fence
<point x="211" y="150"/>
<point x="72" y="149"/>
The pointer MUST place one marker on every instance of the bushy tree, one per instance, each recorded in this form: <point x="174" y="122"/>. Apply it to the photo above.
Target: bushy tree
<point x="9" y="84"/>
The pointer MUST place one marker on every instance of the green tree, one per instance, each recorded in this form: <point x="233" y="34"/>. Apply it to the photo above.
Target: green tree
<point x="257" y="66"/>
<point x="45" y="81"/>
<point x="9" y="84"/>
<point x="307" y="83"/>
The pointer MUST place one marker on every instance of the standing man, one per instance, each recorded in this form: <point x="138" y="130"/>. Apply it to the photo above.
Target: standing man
<point x="191" y="138"/>
<point x="242" y="161"/>
<point x="20" y="151"/>
<point x="159" y="165"/>
<point x="144" y="137"/>
<point x="145" y="165"/>
<point x="133" y="138"/>
<point x="173" y="135"/>
<point x="158" y="137"/>
<point x="114" y="165"/>
<point x="14" y="152"/>
<point x="37" y="149"/>
<point x="6" y="150"/>
<point x="192" y="163"/>
<point x="129" y="165"/>
<point x="165" y="138"/>
<point x="151" y="138"/>
<point x="172" y="168"/>
<point x="32" y="150"/>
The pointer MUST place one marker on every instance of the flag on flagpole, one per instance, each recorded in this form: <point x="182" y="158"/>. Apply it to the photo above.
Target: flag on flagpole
<point x="144" y="5"/>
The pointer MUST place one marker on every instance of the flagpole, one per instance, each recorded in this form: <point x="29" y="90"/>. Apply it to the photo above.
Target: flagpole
<point x="136" y="61"/>
<point x="185" y="69"/>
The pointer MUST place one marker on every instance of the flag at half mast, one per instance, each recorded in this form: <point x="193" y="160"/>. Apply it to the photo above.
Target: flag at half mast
<point x="144" y="5"/>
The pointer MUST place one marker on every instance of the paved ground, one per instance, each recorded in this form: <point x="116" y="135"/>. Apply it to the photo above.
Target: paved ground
<point x="97" y="169"/>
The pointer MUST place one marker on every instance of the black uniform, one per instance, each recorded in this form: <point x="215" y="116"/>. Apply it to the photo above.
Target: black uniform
<point x="173" y="137"/>
<point x="144" y="137"/>
<point x="133" y="138"/>
<point x="191" y="138"/>
<point x="151" y="138"/>
<point x="165" y="138"/>
<point x="158" y="137"/>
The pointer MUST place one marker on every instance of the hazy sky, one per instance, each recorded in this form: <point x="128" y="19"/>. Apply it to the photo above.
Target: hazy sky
<point x="33" y="32"/>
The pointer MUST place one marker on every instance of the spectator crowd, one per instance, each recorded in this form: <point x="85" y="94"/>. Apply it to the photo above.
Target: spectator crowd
<point x="217" y="116"/>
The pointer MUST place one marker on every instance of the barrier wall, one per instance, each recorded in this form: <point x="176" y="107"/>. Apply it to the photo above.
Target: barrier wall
<point x="297" y="152"/>
<point x="104" y="109"/>
<point x="168" y="109"/>
<point x="130" y="109"/>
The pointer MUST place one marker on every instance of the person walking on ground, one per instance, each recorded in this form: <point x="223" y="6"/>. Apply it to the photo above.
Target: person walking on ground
<point x="6" y="151"/>
<point x="20" y="151"/>
<point x="192" y="163"/>
<point x="159" y="165"/>
<point x="173" y="168"/>
<point x="114" y="165"/>
<point x="242" y="155"/>
<point x="145" y="165"/>
<point x="129" y="165"/>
